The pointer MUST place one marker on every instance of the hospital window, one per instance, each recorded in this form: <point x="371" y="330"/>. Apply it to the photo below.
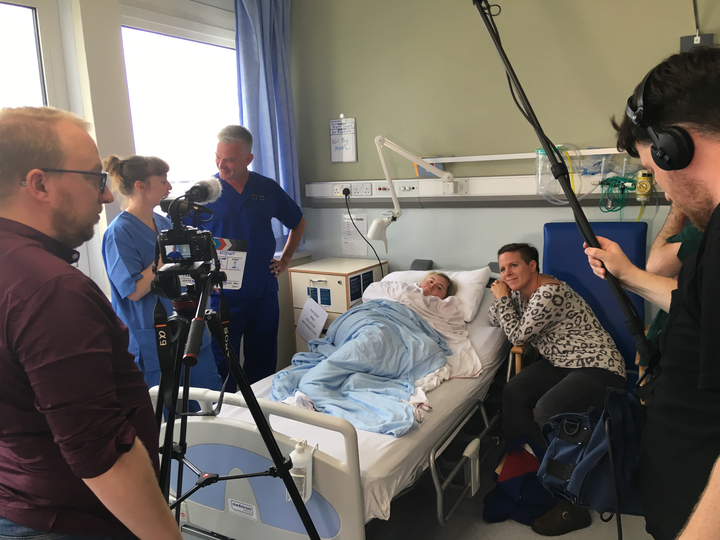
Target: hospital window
<point x="182" y="93"/>
<point x="20" y="58"/>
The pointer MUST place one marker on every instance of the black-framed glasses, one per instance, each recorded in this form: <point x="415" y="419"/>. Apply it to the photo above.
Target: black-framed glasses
<point x="103" y="175"/>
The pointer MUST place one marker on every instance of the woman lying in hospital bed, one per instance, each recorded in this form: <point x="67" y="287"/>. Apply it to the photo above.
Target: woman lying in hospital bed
<point x="378" y="359"/>
<point x="358" y="470"/>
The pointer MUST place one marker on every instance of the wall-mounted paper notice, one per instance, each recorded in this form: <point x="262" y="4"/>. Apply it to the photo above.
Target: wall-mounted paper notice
<point x="352" y="239"/>
<point x="343" y="141"/>
<point x="311" y="321"/>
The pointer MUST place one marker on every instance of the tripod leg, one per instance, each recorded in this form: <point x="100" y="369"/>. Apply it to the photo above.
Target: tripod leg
<point x="282" y="464"/>
<point x="168" y="399"/>
<point x="167" y="449"/>
<point x="182" y="446"/>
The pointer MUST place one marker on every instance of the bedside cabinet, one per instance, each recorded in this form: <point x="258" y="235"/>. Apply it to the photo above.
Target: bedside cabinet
<point x="336" y="284"/>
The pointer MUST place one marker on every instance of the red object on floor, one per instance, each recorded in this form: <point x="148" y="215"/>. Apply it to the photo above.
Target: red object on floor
<point x="517" y="463"/>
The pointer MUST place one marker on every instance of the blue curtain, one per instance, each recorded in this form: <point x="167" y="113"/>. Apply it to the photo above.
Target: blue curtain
<point x="262" y="42"/>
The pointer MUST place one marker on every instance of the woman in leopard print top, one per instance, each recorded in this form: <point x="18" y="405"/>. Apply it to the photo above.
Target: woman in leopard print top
<point x="578" y="358"/>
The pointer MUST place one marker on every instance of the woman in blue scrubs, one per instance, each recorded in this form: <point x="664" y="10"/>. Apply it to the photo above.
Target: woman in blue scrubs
<point x="129" y="252"/>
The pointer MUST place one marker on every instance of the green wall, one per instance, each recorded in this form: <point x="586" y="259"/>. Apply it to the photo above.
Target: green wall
<point x="425" y="75"/>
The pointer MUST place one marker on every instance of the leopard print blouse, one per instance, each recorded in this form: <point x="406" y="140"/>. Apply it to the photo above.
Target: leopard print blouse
<point x="561" y="327"/>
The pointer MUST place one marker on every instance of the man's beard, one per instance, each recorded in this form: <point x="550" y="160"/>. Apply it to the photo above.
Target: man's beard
<point x="68" y="232"/>
<point x="700" y="214"/>
<point x="694" y="199"/>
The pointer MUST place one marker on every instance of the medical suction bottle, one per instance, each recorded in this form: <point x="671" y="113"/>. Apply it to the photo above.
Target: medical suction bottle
<point x="302" y="465"/>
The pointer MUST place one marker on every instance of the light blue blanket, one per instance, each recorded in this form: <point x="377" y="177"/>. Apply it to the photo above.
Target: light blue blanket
<point x="364" y="369"/>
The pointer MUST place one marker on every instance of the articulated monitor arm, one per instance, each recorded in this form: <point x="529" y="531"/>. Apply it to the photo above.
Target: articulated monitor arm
<point x="378" y="228"/>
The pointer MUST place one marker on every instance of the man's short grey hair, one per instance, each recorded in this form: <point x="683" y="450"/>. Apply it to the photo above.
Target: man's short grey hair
<point x="28" y="140"/>
<point x="233" y="134"/>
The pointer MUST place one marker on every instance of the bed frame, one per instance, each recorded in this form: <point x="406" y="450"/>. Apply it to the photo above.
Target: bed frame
<point x="254" y="508"/>
<point x="469" y="464"/>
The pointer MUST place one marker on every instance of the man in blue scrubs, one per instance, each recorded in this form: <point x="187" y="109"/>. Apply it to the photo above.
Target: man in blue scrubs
<point x="244" y="211"/>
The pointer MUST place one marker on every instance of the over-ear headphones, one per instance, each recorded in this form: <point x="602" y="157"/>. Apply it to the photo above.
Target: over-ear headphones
<point x="672" y="149"/>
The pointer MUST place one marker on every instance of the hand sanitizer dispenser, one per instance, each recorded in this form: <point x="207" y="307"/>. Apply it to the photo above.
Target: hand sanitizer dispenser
<point x="302" y="464"/>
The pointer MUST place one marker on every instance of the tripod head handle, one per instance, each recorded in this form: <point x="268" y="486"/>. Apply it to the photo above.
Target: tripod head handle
<point x="194" y="342"/>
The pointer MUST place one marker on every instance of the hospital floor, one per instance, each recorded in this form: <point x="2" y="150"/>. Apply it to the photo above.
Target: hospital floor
<point x="413" y="516"/>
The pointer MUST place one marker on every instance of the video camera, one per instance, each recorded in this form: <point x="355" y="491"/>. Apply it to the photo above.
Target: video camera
<point x="184" y="250"/>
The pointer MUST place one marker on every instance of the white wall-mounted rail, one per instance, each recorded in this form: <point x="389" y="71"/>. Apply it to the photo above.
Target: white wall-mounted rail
<point x="525" y="155"/>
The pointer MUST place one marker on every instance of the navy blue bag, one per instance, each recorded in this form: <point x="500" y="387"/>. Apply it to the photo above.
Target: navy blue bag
<point x="592" y="458"/>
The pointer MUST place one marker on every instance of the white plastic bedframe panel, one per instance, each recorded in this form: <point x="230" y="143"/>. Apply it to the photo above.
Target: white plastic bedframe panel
<point x="258" y="508"/>
<point x="389" y="465"/>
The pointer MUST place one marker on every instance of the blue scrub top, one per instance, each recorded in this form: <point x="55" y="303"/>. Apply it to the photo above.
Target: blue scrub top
<point x="248" y="216"/>
<point x="129" y="248"/>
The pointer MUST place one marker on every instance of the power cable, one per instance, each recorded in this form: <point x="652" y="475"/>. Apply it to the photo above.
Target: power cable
<point x="346" y="193"/>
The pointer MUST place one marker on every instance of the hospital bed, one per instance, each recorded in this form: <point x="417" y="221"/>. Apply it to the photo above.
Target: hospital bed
<point x="356" y="474"/>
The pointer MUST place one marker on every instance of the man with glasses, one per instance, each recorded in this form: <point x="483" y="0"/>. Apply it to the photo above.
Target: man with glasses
<point x="78" y="436"/>
<point x="101" y="177"/>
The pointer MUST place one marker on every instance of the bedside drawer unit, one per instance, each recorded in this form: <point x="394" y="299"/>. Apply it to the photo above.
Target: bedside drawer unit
<point x="335" y="284"/>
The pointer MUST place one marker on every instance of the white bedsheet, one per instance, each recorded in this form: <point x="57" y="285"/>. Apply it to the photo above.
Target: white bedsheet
<point x="445" y="316"/>
<point x="388" y="464"/>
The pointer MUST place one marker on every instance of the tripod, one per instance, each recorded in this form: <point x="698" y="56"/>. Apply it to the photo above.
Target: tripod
<point x="186" y="339"/>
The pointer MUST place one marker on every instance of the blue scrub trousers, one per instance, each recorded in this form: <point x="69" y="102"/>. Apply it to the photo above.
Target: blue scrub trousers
<point x="202" y="375"/>
<point x="257" y="319"/>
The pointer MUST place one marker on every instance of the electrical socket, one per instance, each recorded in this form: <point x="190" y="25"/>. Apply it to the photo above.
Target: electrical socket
<point x="338" y="189"/>
<point x="362" y="189"/>
<point x="687" y="43"/>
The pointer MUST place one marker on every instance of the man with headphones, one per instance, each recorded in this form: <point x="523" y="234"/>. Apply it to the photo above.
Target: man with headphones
<point x="672" y="123"/>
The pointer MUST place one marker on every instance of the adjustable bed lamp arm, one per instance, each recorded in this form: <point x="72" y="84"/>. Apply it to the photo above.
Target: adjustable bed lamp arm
<point x="560" y="172"/>
<point x="379" y="226"/>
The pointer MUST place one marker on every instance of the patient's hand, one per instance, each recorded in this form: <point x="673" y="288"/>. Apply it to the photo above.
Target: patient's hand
<point x="499" y="289"/>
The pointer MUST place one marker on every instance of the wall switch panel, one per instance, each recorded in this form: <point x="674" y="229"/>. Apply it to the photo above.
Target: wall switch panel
<point x="486" y="186"/>
<point x="407" y="188"/>
<point x="363" y="189"/>
<point x="463" y="186"/>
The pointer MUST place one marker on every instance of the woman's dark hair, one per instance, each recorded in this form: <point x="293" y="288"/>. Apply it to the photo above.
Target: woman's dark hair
<point x="527" y="252"/>
<point x="683" y="90"/>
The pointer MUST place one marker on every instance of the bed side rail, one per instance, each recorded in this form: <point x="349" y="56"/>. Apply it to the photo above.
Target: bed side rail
<point x="207" y="399"/>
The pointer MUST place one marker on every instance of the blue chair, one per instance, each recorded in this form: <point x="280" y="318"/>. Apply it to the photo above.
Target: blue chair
<point x="564" y="258"/>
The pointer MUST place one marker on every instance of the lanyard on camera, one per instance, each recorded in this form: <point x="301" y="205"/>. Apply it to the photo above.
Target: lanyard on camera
<point x="165" y="355"/>
<point x="225" y="314"/>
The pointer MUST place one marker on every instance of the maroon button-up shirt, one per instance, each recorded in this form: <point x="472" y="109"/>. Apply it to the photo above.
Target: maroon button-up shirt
<point x="71" y="398"/>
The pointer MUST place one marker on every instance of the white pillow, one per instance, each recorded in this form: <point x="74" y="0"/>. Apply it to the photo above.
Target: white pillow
<point x="470" y="285"/>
